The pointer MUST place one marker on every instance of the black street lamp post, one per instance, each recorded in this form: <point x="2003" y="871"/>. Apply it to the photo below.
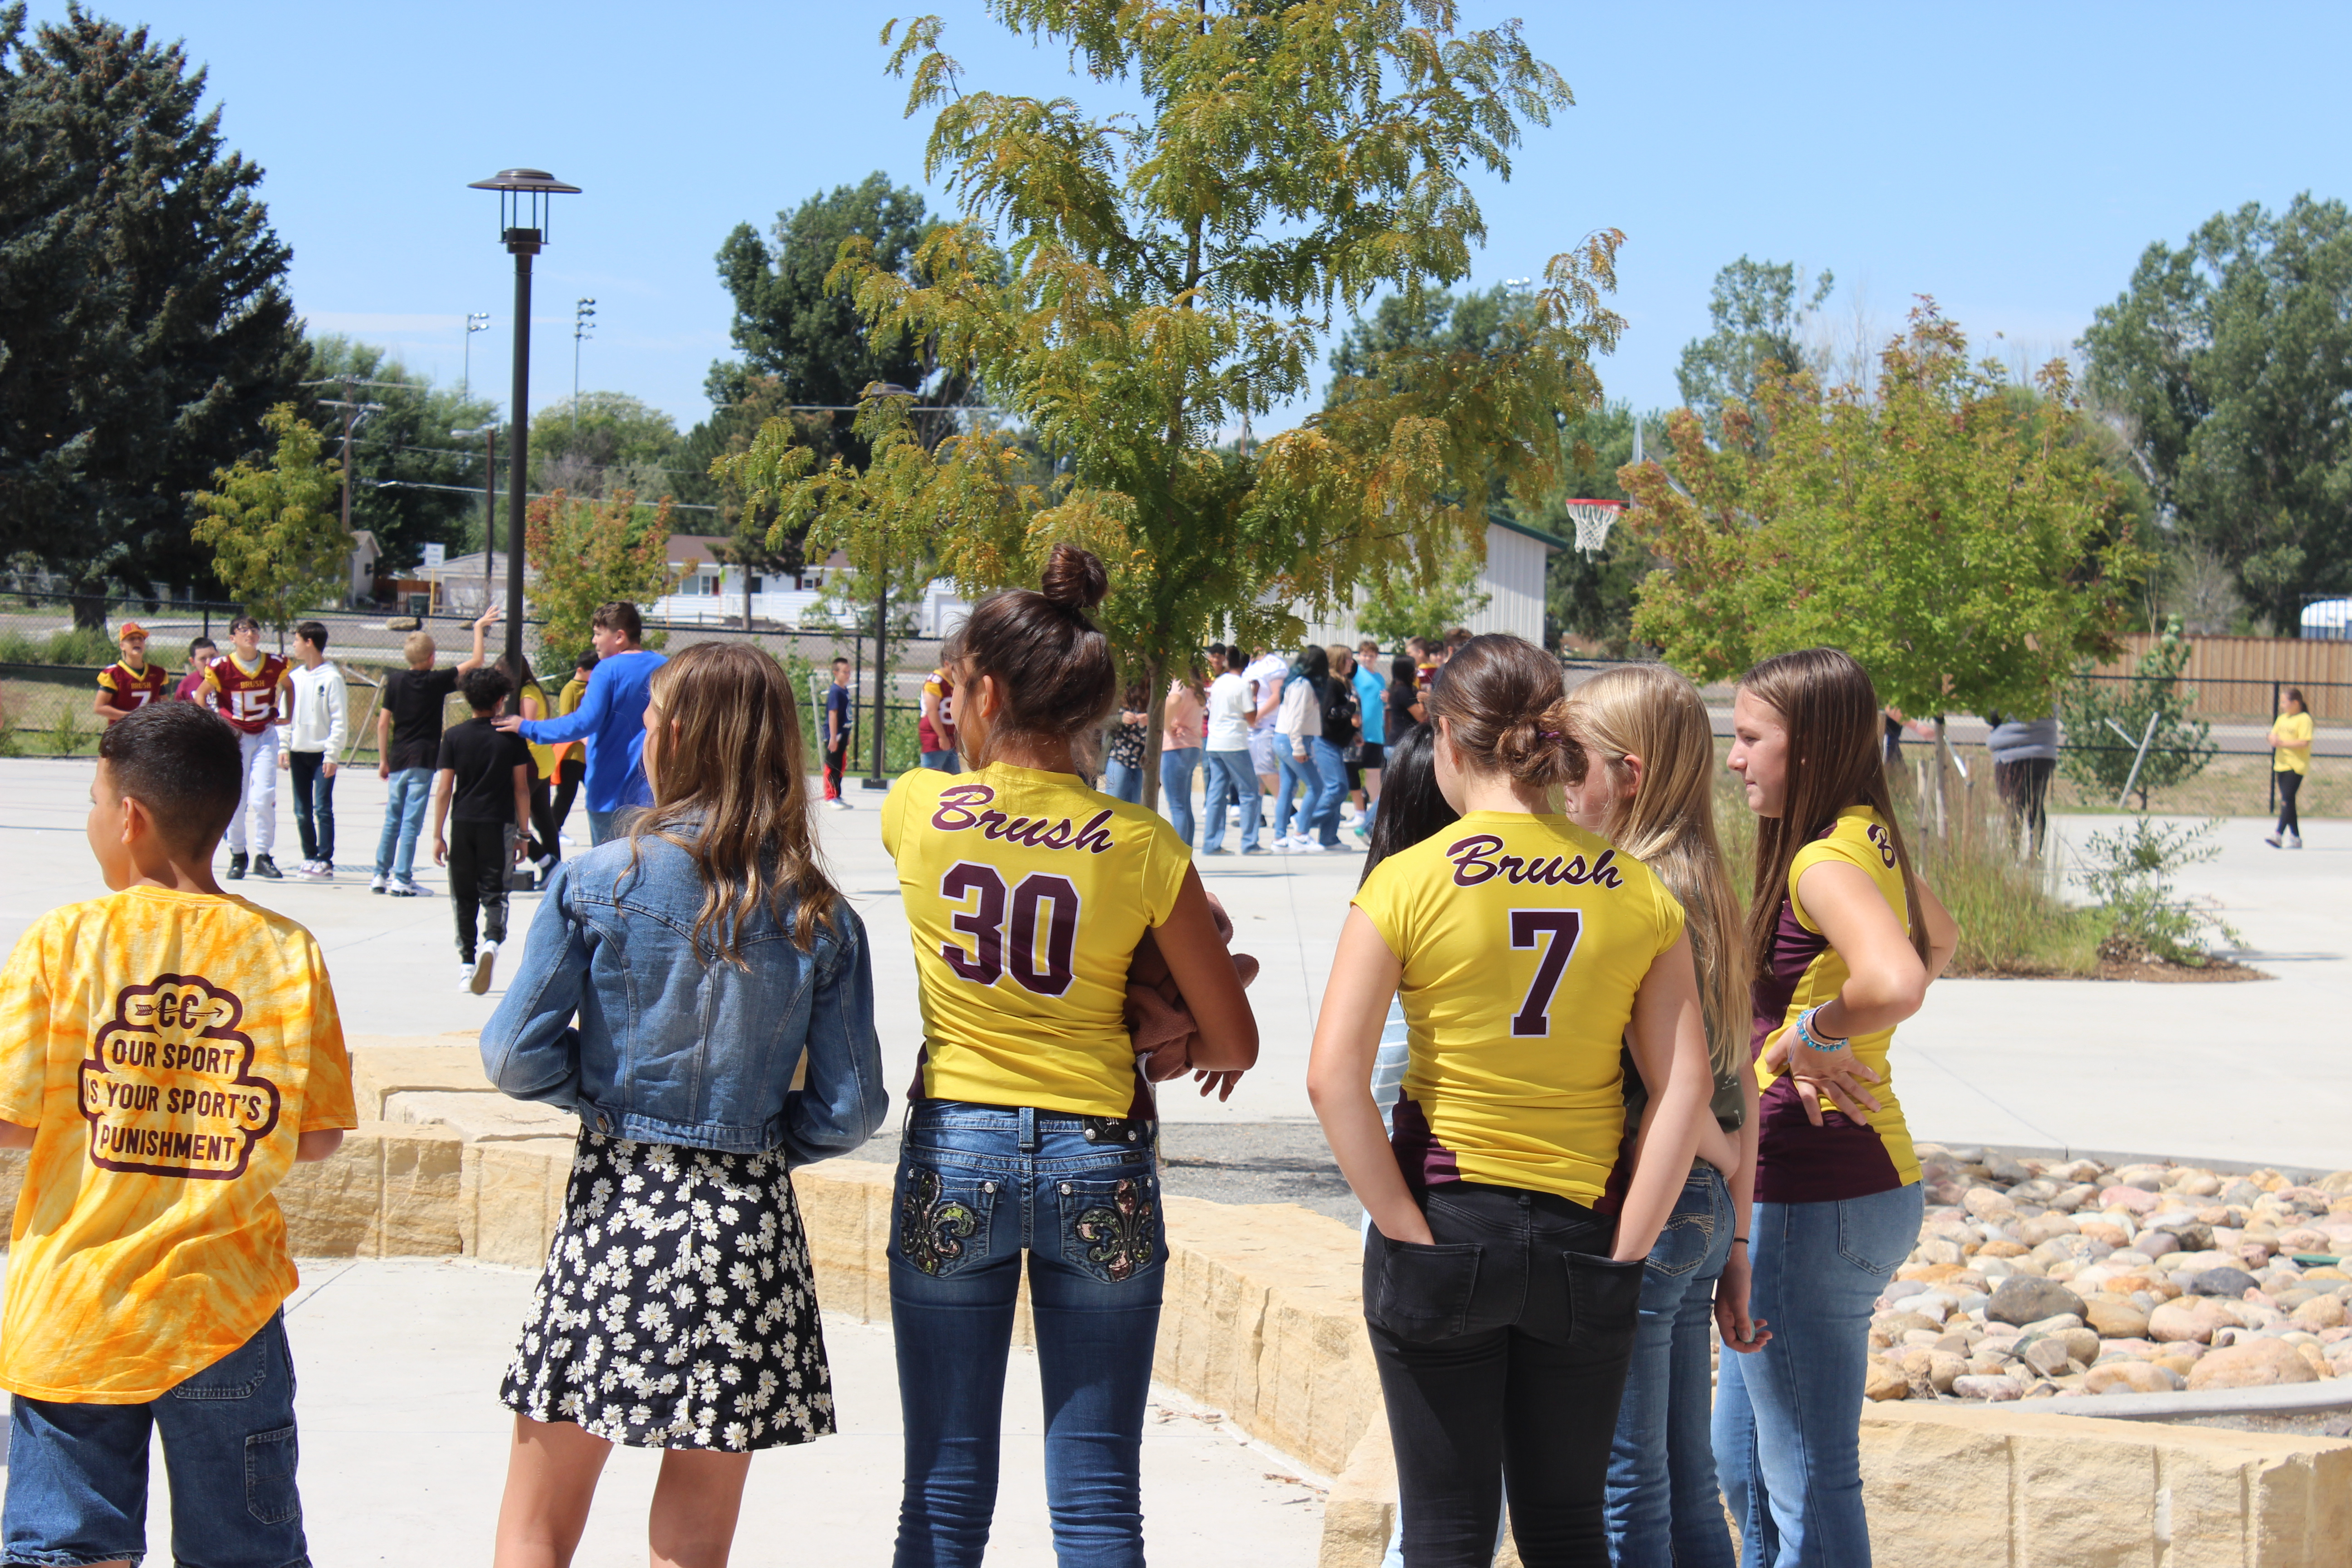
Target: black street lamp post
<point x="522" y="195"/>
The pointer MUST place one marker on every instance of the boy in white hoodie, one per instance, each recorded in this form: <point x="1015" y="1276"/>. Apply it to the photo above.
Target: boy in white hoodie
<point x="311" y="739"/>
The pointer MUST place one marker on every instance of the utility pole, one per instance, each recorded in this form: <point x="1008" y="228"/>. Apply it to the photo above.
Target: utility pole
<point x="583" y="327"/>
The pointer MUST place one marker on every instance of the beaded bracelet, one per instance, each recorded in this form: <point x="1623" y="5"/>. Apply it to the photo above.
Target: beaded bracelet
<point x="1825" y="1044"/>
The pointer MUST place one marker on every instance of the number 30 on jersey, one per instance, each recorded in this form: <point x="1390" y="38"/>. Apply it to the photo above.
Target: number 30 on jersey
<point x="1040" y="900"/>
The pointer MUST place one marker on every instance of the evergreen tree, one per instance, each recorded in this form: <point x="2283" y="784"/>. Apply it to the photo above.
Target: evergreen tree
<point x="143" y="327"/>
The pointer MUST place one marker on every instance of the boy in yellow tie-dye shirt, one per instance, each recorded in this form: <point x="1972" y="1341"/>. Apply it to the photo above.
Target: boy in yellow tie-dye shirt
<point x="167" y="1053"/>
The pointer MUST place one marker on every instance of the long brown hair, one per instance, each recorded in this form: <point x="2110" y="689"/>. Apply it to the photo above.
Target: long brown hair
<point x="1649" y="712"/>
<point x="728" y="789"/>
<point x="1837" y="731"/>
<point x="1500" y="698"/>
<point x="1055" y="674"/>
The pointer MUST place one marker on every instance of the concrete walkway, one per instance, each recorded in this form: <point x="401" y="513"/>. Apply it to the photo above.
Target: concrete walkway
<point x="2253" y="1072"/>
<point x="405" y="1446"/>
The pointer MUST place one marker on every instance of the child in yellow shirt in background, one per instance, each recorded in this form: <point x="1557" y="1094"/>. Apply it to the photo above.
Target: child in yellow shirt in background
<point x="167" y="1053"/>
<point x="2290" y="762"/>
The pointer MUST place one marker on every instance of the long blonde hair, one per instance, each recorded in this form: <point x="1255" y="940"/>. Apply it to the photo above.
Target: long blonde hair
<point x="1649" y="712"/>
<point x="729" y="790"/>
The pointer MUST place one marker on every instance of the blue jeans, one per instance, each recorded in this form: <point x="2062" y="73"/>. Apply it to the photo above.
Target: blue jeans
<point x="1232" y="782"/>
<point x="78" y="1473"/>
<point x="977" y="1186"/>
<point x="1664" y="1510"/>
<point x="1787" y="1419"/>
<point x="1333" y="770"/>
<point x="942" y="761"/>
<point x="404" y="818"/>
<point x="1176" y="768"/>
<point x="1121" y="781"/>
<point x="1294" y="772"/>
<point x="606" y="825"/>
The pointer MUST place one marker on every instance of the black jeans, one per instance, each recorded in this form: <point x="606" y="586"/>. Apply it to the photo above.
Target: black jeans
<point x="2289" y="781"/>
<point x="2024" y="789"/>
<point x="1502" y="1352"/>
<point x="314" y="803"/>
<point x="478" y="880"/>
<point x="568" y="774"/>
<point x="544" y="841"/>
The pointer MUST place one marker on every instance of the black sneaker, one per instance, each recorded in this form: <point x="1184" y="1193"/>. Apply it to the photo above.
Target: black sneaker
<point x="263" y="866"/>
<point x="236" y="868"/>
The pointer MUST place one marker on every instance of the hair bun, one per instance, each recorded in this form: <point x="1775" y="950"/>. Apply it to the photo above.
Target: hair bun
<point x="1075" y="579"/>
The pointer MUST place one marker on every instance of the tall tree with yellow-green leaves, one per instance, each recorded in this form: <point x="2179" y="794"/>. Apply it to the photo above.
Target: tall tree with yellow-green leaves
<point x="1133" y="287"/>
<point x="275" y="533"/>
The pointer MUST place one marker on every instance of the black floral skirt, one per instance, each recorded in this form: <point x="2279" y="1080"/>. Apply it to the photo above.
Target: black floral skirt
<point x="677" y="1309"/>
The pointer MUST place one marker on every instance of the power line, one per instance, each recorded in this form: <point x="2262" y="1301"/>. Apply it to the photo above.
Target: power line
<point x="531" y="495"/>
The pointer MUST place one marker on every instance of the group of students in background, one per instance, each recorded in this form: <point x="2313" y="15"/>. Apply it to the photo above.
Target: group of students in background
<point x="1587" y="1103"/>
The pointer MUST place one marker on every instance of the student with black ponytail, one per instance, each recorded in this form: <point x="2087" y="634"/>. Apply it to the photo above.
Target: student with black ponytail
<point x="1029" y="1127"/>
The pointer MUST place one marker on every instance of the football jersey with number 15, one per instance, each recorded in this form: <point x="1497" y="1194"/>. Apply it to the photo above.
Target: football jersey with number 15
<point x="1523" y="941"/>
<point x="1025" y="893"/>
<point x="248" y="697"/>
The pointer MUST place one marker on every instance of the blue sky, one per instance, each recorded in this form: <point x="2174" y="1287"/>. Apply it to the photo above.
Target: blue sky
<point x="2010" y="160"/>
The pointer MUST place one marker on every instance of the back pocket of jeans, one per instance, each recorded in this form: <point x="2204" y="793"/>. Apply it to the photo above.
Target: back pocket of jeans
<point x="1112" y="1229"/>
<point x="1604" y="1302"/>
<point x="1422" y="1291"/>
<point x="270" y="1495"/>
<point x="942" y="1226"/>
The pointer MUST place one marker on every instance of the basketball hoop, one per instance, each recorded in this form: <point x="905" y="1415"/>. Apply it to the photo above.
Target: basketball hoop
<point x="1592" y="519"/>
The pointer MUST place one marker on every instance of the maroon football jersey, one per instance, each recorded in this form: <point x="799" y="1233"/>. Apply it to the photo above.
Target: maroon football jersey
<point x="131" y="689"/>
<point x="247" y="700"/>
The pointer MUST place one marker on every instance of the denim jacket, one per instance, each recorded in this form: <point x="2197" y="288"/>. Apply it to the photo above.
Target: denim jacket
<point x="671" y="1048"/>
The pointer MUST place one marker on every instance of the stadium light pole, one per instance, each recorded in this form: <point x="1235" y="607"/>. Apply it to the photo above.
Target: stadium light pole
<point x="583" y="327"/>
<point x="476" y="322"/>
<point x="524" y="202"/>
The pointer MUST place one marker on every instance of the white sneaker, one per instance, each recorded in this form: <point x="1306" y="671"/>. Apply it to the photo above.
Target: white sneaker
<point x="2295" y="840"/>
<point x="379" y="883"/>
<point x="410" y="888"/>
<point x="315" y="870"/>
<point x="840" y="804"/>
<point x="2272" y="839"/>
<point x="477" y="978"/>
<point x="465" y="976"/>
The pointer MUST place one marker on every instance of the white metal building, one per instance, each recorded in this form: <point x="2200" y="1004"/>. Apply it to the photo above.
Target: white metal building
<point x="1513" y="580"/>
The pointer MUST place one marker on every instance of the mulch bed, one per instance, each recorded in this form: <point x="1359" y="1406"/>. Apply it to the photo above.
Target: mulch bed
<point x="2217" y="971"/>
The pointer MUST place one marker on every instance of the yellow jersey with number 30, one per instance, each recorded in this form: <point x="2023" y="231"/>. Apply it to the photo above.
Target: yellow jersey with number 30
<point x="1523" y="941"/>
<point x="1025" y="893"/>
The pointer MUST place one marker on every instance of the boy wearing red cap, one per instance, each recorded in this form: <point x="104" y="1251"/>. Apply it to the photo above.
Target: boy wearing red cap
<point x="129" y="682"/>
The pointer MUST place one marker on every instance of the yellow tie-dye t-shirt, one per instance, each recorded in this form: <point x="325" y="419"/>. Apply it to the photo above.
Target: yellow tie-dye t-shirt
<point x="169" y="1049"/>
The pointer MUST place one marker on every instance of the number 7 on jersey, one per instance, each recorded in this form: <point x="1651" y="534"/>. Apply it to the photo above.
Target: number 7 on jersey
<point x="1528" y="929"/>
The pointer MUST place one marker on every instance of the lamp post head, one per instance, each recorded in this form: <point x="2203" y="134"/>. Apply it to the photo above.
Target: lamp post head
<point x="524" y="205"/>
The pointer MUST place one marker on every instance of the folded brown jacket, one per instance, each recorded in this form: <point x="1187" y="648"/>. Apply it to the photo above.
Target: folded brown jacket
<point x="1162" y="1025"/>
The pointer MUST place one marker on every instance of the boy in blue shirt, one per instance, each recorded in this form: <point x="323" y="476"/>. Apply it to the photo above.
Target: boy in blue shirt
<point x="611" y="719"/>
<point x="838" y="718"/>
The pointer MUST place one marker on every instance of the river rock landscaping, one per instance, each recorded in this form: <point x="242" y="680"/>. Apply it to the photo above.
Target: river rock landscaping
<point x="2049" y="1279"/>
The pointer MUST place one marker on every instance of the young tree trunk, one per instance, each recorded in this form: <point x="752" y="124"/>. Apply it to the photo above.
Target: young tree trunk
<point x="1156" y="689"/>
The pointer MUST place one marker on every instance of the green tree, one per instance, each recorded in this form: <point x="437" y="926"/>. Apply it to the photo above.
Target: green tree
<point x="584" y="553"/>
<point x="1429" y="613"/>
<point x="2107" y="720"/>
<point x="605" y="442"/>
<point x="1170" y="267"/>
<point x="414" y="483"/>
<point x="276" y="538"/>
<point x="143" y="325"/>
<point x="820" y="352"/>
<point x="1760" y="309"/>
<point x="1967" y="548"/>
<point x="2230" y="363"/>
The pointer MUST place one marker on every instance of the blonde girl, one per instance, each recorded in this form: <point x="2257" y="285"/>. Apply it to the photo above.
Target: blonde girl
<point x="674" y="981"/>
<point x="1502" y="1276"/>
<point x="1647" y="787"/>
<point x="1844" y="938"/>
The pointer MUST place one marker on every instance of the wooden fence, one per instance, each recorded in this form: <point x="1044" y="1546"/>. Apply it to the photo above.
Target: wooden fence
<point x="2235" y="678"/>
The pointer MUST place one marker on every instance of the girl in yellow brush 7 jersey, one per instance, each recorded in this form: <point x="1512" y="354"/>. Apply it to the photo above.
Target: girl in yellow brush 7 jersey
<point x="1511" y="1217"/>
<point x="1030" y="1129"/>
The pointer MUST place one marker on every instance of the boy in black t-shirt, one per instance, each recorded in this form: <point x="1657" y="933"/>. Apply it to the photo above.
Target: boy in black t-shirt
<point x="483" y="797"/>
<point x="407" y="740"/>
<point x="839" y="716"/>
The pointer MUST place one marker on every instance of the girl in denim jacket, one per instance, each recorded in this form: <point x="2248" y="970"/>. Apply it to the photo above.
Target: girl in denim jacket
<point x="673" y="982"/>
